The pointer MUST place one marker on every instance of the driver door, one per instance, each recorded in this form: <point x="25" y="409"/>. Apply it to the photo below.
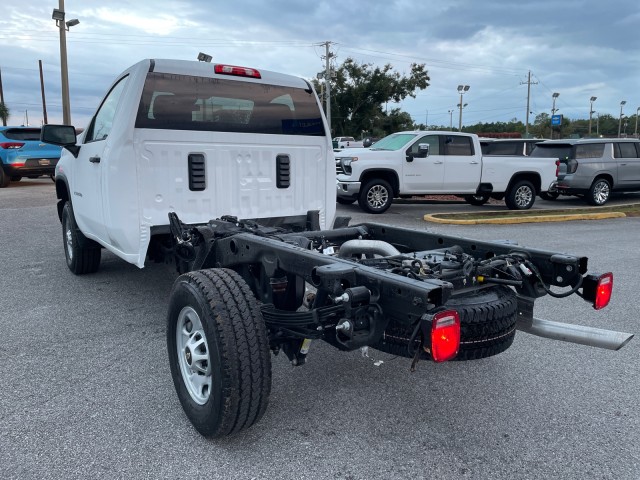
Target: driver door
<point x="422" y="175"/>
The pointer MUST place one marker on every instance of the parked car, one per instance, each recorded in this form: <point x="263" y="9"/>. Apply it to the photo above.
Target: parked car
<point x="594" y="168"/>
<point x="22" y="154"/>
<point x="509" y="146"/>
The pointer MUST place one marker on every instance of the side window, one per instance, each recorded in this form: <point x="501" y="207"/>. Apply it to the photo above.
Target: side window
<point x="432" y="140"/>
<point x="593" y="150"/>
<point x="503" y="148"/>
<point x="625" y="150"/>
<point x="103" y="121"/>
<point x="458" y="145"/>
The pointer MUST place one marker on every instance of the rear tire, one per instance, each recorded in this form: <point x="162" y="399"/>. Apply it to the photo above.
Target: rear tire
<point x="218" y="351"/>
<point x="16" y="178"/>
<point x="487" y="325"/>
<point x="81" y="258"/>
<point x="376" y="196"/>
<point x="521" y="196"/>
<point x="599" y="192"/>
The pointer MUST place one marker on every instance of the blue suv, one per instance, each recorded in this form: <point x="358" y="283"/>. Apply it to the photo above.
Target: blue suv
<point x="22" y="154"/>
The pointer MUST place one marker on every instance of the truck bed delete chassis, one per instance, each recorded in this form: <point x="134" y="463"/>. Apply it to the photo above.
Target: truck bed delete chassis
<point x="358" y="286"/>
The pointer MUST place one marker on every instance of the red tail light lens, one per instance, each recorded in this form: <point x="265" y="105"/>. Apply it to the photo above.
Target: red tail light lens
<point x="597" y="289"/>
<point x="445" y="335"/>
<point x="11" y="145"/>
<point x="557" y="167"/>
<point x="604" y="288"/>
<point x="237" y="71"/>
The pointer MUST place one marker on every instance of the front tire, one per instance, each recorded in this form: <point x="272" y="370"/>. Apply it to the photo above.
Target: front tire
<point x="521" y="196"/>
<point x="599" y="192"/>
<point x="218" y="351"/>
<point x="376" y="196"/>
<point x="477" y="200"/>
<point x="549" y="196"/>
<point x="80" y="258"/>
<point x="4" y="178"/>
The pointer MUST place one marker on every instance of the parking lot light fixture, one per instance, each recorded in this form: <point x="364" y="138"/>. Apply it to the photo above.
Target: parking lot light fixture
<point x="462" y="89"/>
<point x="591" y="112"/>
<point x="622" y="104"/>
<point x="58" y="15"/>
<point x="203" y="57"/>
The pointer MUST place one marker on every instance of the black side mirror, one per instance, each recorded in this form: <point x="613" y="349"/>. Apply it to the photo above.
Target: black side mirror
<point x="62" y="135"/>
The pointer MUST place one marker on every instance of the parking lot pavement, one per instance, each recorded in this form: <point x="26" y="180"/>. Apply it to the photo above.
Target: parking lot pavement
<point x="86" y="390"/>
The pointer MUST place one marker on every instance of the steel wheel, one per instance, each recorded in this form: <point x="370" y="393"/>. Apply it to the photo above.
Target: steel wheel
<point x="193" y="355"/>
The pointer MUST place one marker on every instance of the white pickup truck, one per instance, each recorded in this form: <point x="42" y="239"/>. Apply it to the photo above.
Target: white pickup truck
<point x="346" y="142"/>
<point x="429" y="163"/>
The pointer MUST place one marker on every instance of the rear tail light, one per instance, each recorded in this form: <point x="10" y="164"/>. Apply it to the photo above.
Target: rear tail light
<point x="557" y="167"/>
<point x="11" y="145"/>
<point x="597" y="289"/>
<point x="236" y="71"/>
<point x="445" y="335"/>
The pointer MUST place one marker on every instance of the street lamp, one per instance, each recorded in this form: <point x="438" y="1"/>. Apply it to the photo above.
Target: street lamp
<point x="58" y="15"/>
<point x="462" y="89"/>
<point x="635" y="132"/>
<point x="553" y="110"/>
<point x="450" y="119"/>
<point x="591" y="112"/>
<point x="622" y="104"/>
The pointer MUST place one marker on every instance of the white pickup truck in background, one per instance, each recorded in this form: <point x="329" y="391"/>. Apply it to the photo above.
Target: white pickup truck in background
<point x="405" y="164"/>
<point x="346" y="142"/>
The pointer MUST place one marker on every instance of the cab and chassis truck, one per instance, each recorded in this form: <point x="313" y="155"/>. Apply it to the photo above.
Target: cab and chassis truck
<point x="229" y="172"/>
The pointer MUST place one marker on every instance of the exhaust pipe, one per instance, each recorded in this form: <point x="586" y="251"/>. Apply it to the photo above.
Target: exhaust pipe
<point x="593" y="337"/>
<point x="367" y="247"/>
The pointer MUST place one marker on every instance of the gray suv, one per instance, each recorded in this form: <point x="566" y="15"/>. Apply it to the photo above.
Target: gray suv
<point x="596" y="167"/>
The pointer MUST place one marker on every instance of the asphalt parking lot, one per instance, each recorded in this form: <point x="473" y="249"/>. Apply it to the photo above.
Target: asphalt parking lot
<point x="87" y="393"/>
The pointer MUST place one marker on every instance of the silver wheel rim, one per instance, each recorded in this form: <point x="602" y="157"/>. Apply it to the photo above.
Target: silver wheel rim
<point x="193" y="355"/>
<point x="523" y="196"/>
<point x="601" y="192"/>
<point x="68" y="237"/>
<point x="377" y="196"/>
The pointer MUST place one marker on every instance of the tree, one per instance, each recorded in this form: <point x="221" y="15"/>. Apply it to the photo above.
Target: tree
<point x="4" y="113"/>
<point x="360" y="93"/>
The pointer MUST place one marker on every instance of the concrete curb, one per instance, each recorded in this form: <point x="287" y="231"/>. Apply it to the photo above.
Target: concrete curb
<point x="525" y="219"/>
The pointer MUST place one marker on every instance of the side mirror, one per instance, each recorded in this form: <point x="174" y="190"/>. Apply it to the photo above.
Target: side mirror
<point x="62" y="135"/>
<point x="423" y="150"/>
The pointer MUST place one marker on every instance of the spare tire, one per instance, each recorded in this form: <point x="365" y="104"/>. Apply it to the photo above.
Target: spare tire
<point x="487" y="325"/>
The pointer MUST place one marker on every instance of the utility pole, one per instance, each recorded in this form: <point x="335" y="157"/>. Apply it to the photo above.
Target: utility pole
<point x="4" y="121"/>
<point x="529" y="83"/>
<point x="327" y="79"/>
<point x="44" y="103"/>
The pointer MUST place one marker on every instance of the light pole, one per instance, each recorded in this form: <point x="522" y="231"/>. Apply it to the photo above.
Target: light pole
<point x="592" y="99"/>
<point x="450" y="112"/>
<point x="426" y="122"/>
<point x="622" y="104"/>
<point x="635" y="132"/>
<point x="553" y="110"/>
<point x="462" y="89"/>
<point x="58" y="16"/>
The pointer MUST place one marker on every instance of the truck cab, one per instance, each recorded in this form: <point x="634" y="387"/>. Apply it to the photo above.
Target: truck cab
<point x="198" y="139"/>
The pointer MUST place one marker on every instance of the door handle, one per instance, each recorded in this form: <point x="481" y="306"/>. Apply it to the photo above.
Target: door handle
<point x="94" y="159"/>
<point x="474" y="163"/>
<point x="622" y="164"/>
<point x="437" y="163"/>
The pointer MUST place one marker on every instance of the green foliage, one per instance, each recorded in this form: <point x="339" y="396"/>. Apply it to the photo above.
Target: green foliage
<point x="4" y="113"/>
<point x="360" y="94"/>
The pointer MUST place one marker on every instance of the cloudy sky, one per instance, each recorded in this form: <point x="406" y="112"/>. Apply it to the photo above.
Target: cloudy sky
<point x="578" y="48"/>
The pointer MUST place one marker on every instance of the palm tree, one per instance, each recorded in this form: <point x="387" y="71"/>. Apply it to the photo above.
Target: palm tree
<point x="4" y="113"/>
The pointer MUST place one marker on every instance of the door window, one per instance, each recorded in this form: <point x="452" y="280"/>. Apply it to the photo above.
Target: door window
<point x="458" y="145"/>
<point x="103" y="121"/>
<point x="625" y="150"/>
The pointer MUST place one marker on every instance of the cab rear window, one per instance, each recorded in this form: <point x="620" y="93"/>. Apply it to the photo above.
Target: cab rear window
<point x="183" y="102"/>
